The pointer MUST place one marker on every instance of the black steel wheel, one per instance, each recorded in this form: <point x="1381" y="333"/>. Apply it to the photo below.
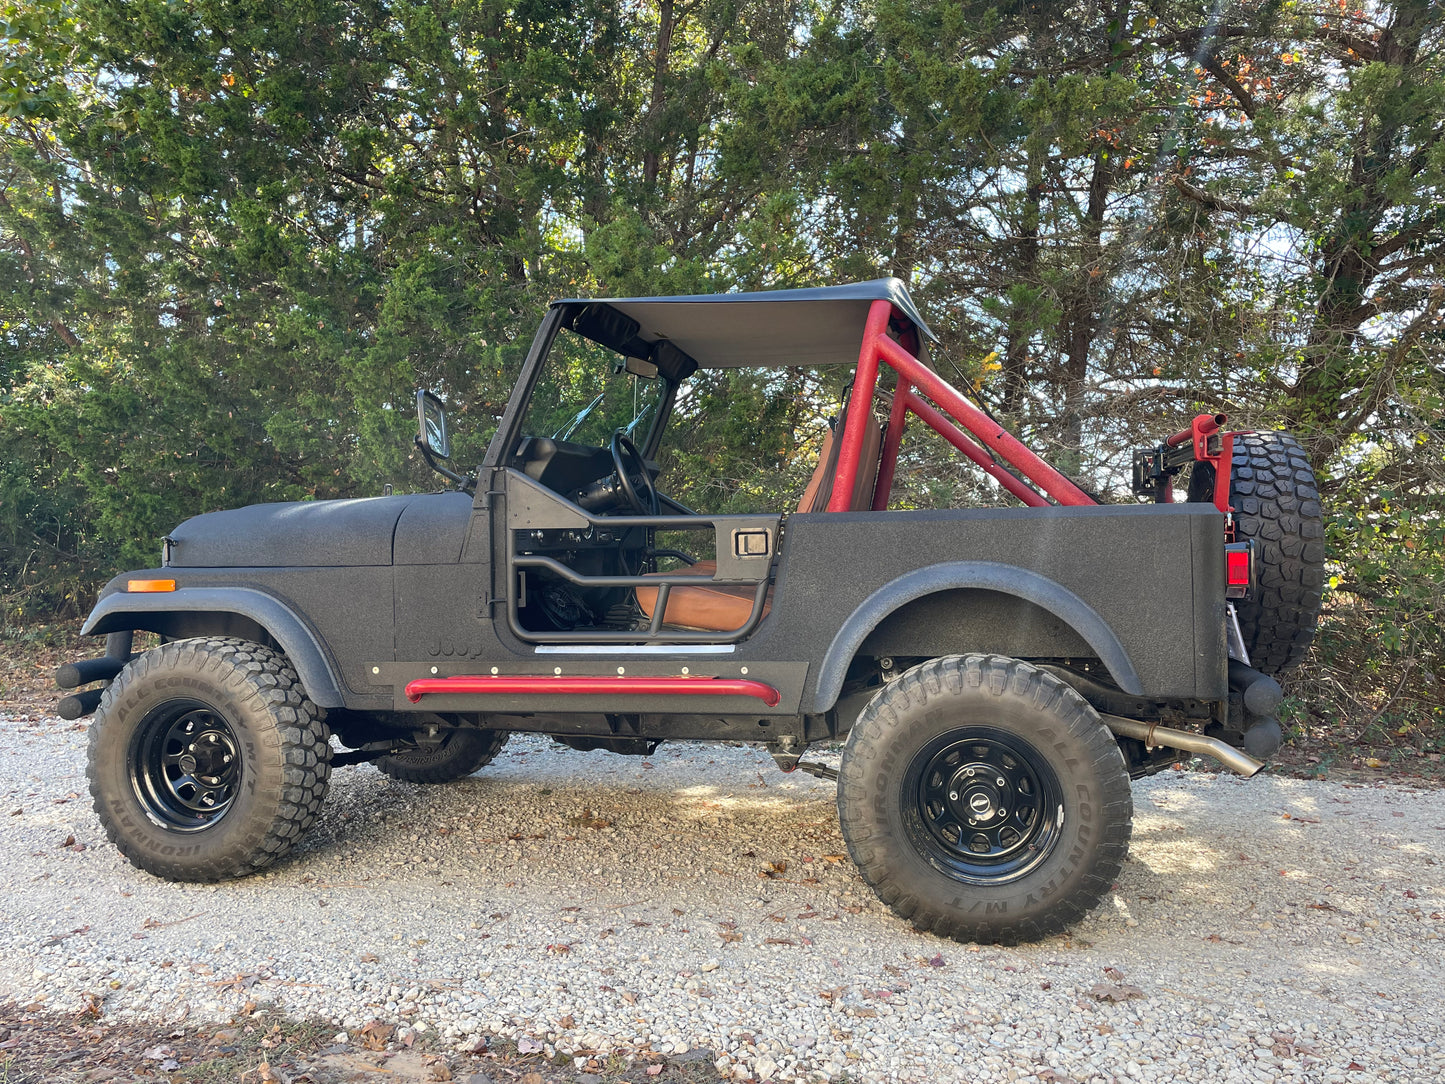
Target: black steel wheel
<point x="185" y="765"/>
<point x="1276" y="503"/>
<point x="983" y="799"/>
<point x="985" y="807"/>
<point x="207" y="760"/>
<point x="453" y="753"/>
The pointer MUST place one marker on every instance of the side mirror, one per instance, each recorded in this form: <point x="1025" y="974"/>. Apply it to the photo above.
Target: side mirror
<point x="431" y="421"/>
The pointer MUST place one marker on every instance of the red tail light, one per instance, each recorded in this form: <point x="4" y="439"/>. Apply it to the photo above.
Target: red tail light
<point x="1239" y="570"/>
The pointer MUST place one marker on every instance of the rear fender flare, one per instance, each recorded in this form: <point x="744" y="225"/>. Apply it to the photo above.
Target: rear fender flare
<point x="122" y="611"/>
<point x="986" y="575"/>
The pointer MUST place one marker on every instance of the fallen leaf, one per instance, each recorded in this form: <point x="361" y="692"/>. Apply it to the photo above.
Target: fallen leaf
<point x="526" y="1045"/>
<point x="1121" y="992"/>
<point x="587" y="819"/>
<point x="776" y="941"/>
<point x="654" y="1070"/>
<point x="368" y="957"/>
<point x="375" y="1034"/>
<point x="937" y="961"/>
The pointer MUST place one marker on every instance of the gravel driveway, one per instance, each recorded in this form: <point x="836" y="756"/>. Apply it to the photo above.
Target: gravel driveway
<point x="1265" y="930"/>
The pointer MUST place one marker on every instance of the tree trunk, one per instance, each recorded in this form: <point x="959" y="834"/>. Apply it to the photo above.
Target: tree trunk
<point x="652" y="122"/>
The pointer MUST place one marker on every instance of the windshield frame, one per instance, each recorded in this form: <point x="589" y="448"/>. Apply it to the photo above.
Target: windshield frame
<point x="509" y="432"/>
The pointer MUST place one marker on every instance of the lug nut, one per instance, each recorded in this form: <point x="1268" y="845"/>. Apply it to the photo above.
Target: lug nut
<point x="953" y="796"/>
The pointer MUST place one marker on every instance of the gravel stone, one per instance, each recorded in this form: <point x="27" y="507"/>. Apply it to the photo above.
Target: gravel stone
<point x="1277" y="929"/>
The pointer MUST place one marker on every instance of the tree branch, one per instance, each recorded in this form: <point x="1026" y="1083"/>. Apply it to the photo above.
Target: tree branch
<point x="1212" y="202"/>
<point x="1210" y="63"/>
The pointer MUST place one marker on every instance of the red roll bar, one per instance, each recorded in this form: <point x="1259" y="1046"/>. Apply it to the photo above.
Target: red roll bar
<point x="916" y="380"/>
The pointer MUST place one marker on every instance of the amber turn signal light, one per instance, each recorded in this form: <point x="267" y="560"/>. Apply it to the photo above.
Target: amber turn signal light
<point x="147" y="586"/>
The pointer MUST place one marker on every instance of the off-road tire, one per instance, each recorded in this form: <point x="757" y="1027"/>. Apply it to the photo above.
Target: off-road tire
<point x="462" y="751"/>
<point x="269" y="767"/>
<point x="1038" y="732"/>
<point x="1276" y="503"/>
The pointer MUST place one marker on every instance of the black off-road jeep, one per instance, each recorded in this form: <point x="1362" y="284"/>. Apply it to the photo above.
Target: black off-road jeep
<point x="999" y="673"/>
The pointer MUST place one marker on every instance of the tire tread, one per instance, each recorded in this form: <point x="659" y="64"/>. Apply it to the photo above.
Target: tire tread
<point x="869" y="745"/>
<point x="267" y="680"/>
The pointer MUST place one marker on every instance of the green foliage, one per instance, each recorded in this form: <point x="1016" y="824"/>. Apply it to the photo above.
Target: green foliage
<point x="235" y="236"/>
<point x="1381" y="657"/>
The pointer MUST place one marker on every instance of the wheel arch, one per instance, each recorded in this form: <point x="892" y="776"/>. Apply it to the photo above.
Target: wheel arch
<point x="228" y="611"/>
<point x="1030" y="587"/>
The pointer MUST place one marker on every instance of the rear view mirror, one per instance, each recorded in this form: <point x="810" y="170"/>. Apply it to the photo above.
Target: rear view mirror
<point x="637" y="367"/>
<point x="431" y="420"/>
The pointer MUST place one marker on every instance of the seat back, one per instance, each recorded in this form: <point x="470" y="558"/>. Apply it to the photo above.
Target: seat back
<point x="820" y="485"/>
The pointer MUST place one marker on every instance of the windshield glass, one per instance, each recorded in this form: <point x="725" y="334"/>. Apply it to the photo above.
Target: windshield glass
<point x="582" y="397"/>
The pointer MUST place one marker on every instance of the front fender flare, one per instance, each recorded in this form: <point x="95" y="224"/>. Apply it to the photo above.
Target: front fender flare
<point x="114" y="613"/>
<point x="984" y="575"/>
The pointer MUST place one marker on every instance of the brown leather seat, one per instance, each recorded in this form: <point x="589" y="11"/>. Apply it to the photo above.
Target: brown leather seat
<point x="717" y="607"/>
<point x="712" y="607"/>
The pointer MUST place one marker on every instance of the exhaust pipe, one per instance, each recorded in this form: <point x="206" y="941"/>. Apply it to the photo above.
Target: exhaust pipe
<point x="1152" y="735"/>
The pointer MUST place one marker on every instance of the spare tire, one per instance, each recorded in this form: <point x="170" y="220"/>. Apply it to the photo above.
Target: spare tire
<point x="1276" y="504"/>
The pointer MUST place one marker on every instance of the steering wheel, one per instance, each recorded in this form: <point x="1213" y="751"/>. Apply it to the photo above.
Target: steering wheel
<point x="640" y="487"/>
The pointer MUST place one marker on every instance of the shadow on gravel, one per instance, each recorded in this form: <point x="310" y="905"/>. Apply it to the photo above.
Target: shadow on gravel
<point x="51" y="1048"/>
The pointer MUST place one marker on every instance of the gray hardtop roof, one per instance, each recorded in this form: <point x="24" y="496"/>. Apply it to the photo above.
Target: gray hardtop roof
<point x="821" y="325"/>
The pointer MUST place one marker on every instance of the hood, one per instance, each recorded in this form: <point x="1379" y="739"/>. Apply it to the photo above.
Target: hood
<point x="298" y="534"/>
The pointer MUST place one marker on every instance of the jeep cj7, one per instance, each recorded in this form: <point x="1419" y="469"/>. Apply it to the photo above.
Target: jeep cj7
<point x="999" y="673"/>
